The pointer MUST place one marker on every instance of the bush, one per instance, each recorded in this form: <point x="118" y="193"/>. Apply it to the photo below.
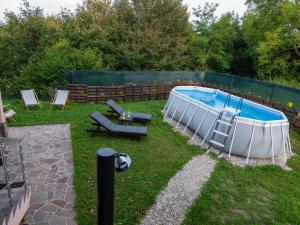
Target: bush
<point x="49" y="69"/>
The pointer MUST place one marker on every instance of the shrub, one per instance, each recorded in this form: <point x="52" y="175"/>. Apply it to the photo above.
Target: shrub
<point x="49" y="69"/>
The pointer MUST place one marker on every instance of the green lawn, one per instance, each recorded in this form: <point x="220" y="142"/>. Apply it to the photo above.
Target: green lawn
<point x="155" y="158"/>
<point x="233" y="195"/>
<point x="263" y="195"/>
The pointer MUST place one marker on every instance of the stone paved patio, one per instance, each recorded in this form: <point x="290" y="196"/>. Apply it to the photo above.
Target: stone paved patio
<point x="49" y="168"/>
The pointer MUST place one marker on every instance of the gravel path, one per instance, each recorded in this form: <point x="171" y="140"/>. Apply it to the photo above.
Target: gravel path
<point x="172" y="203"/>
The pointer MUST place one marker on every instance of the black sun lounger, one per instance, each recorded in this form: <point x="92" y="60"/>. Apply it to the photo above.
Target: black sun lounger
<point x="111" y="128"/>
<point x="137" y="117"/>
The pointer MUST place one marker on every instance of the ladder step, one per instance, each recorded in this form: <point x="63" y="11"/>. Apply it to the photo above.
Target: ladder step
<point x="221" y="133"/>
<point x="225" y="123"/>
<point x="231" y="110"/>
<point x="216" y="144"/>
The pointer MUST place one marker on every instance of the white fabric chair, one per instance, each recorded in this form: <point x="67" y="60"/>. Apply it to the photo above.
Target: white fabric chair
<point x="30" y="98"/>
<point x="60" y="99"/>
<point x="10" y="113"/>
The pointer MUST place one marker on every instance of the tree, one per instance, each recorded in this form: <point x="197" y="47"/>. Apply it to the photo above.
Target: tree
<point x="89" y="28"/>
<point x="50" y="68"/>
<point x="212" y="45"/>
<point x="242" y="63"/>
<point x="24" y="34"/>
<point x="21" y="36"/>
<point x="122" y="23"/>
<point x="159" y="39"/>
<point x="262" y="16"/>
<point x="132" y="35"/>
<point x="271" y="29"/>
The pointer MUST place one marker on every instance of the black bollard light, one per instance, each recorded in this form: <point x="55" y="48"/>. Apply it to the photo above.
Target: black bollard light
<point x="105" y="185"/>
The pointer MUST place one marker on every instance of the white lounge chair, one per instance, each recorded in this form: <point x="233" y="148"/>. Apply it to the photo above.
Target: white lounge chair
<point x="9" y="113"/>
<point x="60" y="99"/>
<point x="30" y="98"/>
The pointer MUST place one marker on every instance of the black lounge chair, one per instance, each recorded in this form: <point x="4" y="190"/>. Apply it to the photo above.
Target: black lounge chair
<point x="111" y="128"/>
<point x="137" y="117"/>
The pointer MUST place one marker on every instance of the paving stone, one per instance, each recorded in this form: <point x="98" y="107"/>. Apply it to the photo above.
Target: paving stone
<point x="59" y="203"/>
<point x="38" y="198"/>
<point x="62" y="180"/>
<point x="49" y="161"/>
<point x="43" y="223"/>
<point x="55" y="220"/>
<point x="71" y="222"/>
<point x="39" y="216"/>
<point x="49" y="208"/>
<point x="65" y="213"/>
<point x="35" y="206"/>
<point x="49" y="168"/>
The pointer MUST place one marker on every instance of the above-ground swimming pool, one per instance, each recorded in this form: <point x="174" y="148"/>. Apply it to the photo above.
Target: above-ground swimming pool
<point x="257" y="131"/>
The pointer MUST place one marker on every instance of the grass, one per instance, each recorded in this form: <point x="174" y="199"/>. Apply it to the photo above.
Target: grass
<point x="233" y="195"/>
<point x="155" y="158"/>
<point x="253" y="195"/>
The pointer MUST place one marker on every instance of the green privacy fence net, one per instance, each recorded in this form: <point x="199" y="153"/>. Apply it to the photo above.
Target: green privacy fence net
<point x="117" y="78"/>
<point x="266" y="90"/>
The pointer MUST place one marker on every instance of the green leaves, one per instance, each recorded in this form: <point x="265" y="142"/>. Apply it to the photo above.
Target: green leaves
<point x="212" y="46"/>
<point x="271" y="30"/>
<point x="50" y="68"/>
<point x="137" y="35"/>
<point x="149" y="35"/>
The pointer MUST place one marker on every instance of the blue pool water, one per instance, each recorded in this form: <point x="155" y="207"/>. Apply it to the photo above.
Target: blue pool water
<point x="217" y="99"/>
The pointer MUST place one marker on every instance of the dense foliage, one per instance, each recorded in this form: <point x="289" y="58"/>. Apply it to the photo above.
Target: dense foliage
<point x="212" y="44"/>
<point x="51" y="67"/>
<point x="271" y="29"/>
<point x="38" y="50"/>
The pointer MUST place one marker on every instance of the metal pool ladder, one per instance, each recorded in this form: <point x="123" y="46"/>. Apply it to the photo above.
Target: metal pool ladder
<point x="226" y="118"/>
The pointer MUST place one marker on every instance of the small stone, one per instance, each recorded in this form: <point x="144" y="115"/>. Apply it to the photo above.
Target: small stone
<point x="54" y="166"/>
<point x="50" y="195"/>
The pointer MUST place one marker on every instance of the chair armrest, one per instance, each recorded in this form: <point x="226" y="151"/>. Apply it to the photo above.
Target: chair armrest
<point x="5" y="106"/>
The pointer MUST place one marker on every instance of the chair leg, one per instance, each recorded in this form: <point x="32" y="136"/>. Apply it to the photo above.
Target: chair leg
<point x="12" y="118"/>
<point x="25" y="104"/>
<point x="92" y="134"/>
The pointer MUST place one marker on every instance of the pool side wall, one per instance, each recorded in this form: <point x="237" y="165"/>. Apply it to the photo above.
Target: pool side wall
<point x="262" y="141"/>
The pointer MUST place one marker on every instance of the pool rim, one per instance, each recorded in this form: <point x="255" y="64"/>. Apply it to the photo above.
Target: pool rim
<point x="283" y="121"/>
